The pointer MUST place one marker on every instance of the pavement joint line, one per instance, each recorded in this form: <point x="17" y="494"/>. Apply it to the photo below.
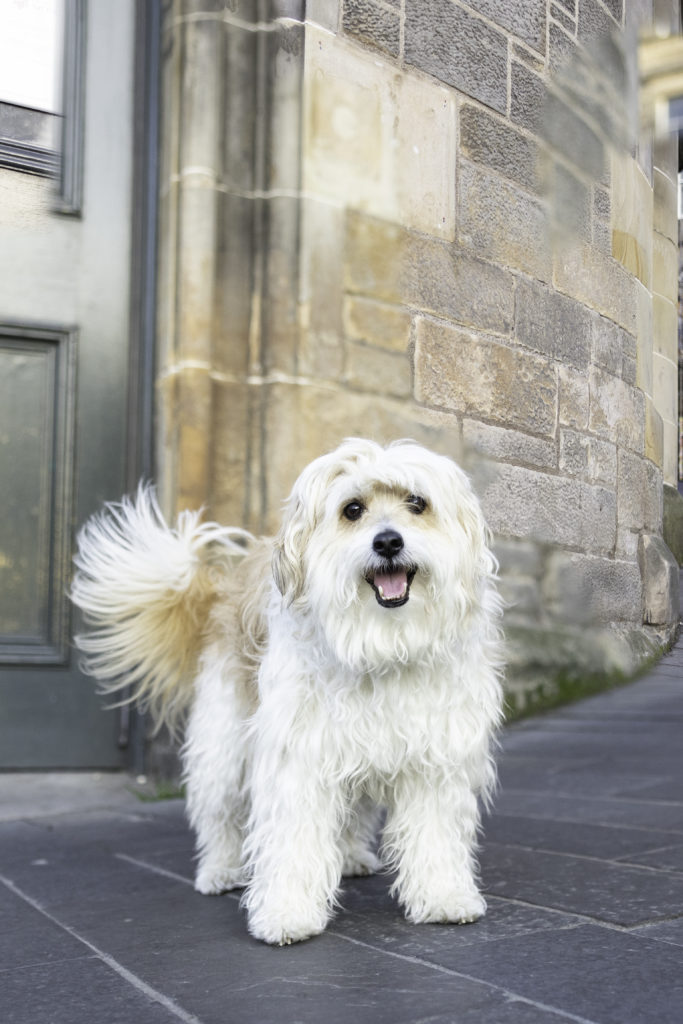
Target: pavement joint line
<point x="48" y="963"/>
<point x="599" y="922"/>
<point x="581" y="821"/>
<point x="114" y="965"/>
<point x="615" y="862"/>
<point x="596" y="799"/>
<point x="168" y="874"/>
<point x="514" y="996"/>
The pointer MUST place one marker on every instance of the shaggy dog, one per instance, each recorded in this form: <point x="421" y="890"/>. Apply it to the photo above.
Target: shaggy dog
<point x="350" y="664"/>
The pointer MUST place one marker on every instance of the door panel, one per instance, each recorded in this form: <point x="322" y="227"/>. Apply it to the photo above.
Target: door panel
<point x="64" y="361"/>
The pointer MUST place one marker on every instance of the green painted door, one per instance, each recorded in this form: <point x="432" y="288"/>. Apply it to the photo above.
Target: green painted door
<point x="65" y="287"/>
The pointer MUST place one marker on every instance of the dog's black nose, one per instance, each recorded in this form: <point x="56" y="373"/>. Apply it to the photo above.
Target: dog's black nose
<point x="388" y="543"/>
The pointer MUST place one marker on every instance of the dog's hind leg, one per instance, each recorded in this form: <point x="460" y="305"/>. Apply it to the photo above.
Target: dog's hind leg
<point x="214" y="757"/>
<point x="359" y="838"/>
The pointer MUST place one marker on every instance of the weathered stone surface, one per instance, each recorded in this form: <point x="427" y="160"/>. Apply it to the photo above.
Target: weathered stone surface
<point x="465" y="52"/>
<point x="574" y="398"/>
<point x="608" y="345"/>
<point x="665" y="387"/>
<point x="572" y="137"/>
<point x="377" y="323"/>
<point x="640" y="493"/>
<point x="374" y="369"/>
<point x="659" y="570"/>
<point x="550" y="509"/>
<point x="560" y="15"/>
<point x="509" y="445"/>
<point x="673" y="522"/>
<point x="527" y="98"/>
<point x="665" y="212"/>
<point x="583" y="590"/>
<point x="501" y="223"/>
<point x="377" y="140"/>
<point x="631" y="217"/>
<point x="489" y="140"/>
<point x="654" y="434"/>
<point x="617" y="410"/>
<point x="389" y="263"/>
<point x="321" y="274"/>
<point x="664" y="267"/>
<point x="523" y="18"/>
<point x="588" y="457"/>
<point x="594" y="21"/>
<point x="459" y="371"/>
<point x="373" y="25"/>
<point x="553" y="324"/>
<point x="665" y="327"/>
<point x="518" y="557"/>
<point x="598" y="281"/>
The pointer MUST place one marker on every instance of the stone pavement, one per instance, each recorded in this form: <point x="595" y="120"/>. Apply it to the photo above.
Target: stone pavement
<point x="582" y="862"/>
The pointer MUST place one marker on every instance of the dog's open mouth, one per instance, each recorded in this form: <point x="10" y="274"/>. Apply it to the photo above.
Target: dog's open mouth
<point x="391" y="585"/>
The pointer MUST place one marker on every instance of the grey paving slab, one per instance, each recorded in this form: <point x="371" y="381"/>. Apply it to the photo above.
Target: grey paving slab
<point x="668" y="858"/>
<point x="608" y="842"/>
<point x="664" y="931"/>
<point x="607" y="891"/>
<point x="595" y="973"/>
<point x="85" y="991"/>
<point x="642" y="814"/>
<point x="600" y="776"/>
<point x="28" y="938"/>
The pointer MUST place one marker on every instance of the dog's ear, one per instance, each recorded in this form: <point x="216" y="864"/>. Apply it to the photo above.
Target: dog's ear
<point x="289" y="570"/>
<point x="303" y="511"/>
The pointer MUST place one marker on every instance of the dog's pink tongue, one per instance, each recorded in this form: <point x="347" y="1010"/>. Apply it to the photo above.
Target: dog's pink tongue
<point x="392" y="584"/>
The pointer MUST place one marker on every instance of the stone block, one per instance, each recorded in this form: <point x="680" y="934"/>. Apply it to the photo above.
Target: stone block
<point x="480" y="378"/>
<point x="654" y="434"/>
<point x="607" y="345"/>
<point x="664" y="267"/>
<point x="522" y="18"/>
<point x="588" y="457"/>
<point x="594" y="21"/>
<point x="321" y="290"/>
<point x="488" y="140"/>
<point x="665" y="387"/>
<point x="324" y="13"/>
<point x="670" y="457"/>
<point x="583" y="591"/>
<point x="553" y="324"/>
<point x="377" y="323"/>
<point x="518" y="557"/>
<point x="673" y="522"/>
<point x="502" y="223"/>
<point x="372" y="25"/>
<point x="527" y="98"/>
<point x="465" y="52"/>
<point x="598" y="281"/>
<point x="557" y="13"/>
<point x="377" y="139"/>
<point x="665" y="213"/>
<point x="640" y="493"/>
<point x="508" y="445"/>
<point x="389" y="263"/>
<point x="631" y="217"/>
<point x="573" y="398"/>
<point x="617" y="410"/>
<point x="659" y="570"/>
<point x="572" y="137"/>
<point x="375" y="369"/>
<point x="665" y="327"/>
<point x="230" y="431"/>
<point x="549" y="509"/>
<point x="570" y="203"/>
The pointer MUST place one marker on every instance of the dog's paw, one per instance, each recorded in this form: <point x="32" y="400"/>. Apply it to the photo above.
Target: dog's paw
<point x="211" y="881"/>
<point x="283" y="926"/>
<point x="361" y="862"/>
<point x="458" y="907"/>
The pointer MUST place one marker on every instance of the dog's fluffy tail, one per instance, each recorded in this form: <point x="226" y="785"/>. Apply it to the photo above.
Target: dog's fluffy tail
<point x="147" y="590"/>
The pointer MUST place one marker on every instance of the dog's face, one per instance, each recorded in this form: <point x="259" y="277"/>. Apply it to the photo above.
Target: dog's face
<point x="385" y="547"/>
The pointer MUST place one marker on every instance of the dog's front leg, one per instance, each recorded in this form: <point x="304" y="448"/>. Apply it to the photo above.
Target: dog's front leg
<point x="430" y="840"/>
<point x="295" y="855"/>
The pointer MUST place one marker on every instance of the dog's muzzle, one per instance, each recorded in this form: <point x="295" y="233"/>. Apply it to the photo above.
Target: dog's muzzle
<point x="391" y="581"/>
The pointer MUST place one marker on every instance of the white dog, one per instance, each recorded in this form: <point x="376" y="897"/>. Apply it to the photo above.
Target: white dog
<point x="349" y="664"/>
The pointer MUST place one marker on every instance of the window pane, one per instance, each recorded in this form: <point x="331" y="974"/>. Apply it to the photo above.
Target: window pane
<point x="30" y="48"/>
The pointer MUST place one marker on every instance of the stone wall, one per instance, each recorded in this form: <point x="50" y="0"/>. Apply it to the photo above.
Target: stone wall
<point x="433" y="219"/>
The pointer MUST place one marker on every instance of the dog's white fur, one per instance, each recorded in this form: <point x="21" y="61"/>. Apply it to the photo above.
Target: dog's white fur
<point x="310" y="704"/>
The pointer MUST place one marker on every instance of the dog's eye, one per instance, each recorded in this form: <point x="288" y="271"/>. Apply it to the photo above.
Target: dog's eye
<point x="354" y="510"/>
<point x="416" y="504"/>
